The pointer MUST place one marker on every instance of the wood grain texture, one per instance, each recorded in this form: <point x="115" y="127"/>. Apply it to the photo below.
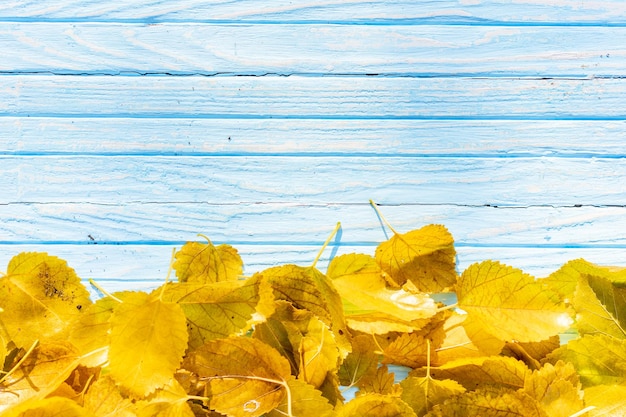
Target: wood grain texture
<point x="463" y="11"/>
<point x="299" y="97"/>
<point x="314" y="180"/>
<point x="209" y="49"/>
<point x="292" y="137"/>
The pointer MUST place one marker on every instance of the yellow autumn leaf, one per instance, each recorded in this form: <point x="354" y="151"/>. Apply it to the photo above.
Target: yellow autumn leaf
<point x="41" y="372"/>
<point x="380" y="382"/>
<point x="307" y="288"/>
<point x="606" y="400"/>
<point x="359" y="279"/>
<point x="426" y="257"/>
<point x="360" y="363"/>
<point x="565" y="279"/>
<point x="168" y="401"/>
<point x="421" y="394"/>
<point x="47" y="407"/>
<point x="318" y="353"/>
<point x="306" y="402"/>
<point x="205" y="263"/>
<point x="489" y="402"/>
<point x="497" y="296"/>
<point x="600" y="306"/>
<point x="220" y="309"/>
<point x="245" y="376"/>
<point x="410" y="349"/>
<point x="531" y="353"/>
<point x="376" y="405"/>
<point x="103" y="399"/>
<point x="599" y="359"/>
<point x="474" y="373"/>
<point x="40" y="295"/>
<point x="148" y="340"/>
<point x="556" y="388"/>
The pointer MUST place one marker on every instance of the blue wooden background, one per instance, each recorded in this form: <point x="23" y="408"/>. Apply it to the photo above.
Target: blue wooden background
<point x="128" y="127"/>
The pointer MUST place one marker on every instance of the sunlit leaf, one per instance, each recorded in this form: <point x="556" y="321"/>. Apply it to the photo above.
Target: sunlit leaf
<point x="103" y="399"/>
<point x="556" y="388"/>
<point x="489" y="402"/>
<point x="168" y="401"/>
<point x="309" y="289"/>
<point x="565" y="279"/>
<point x="376" y="405"/>
<point x="607" y="400"/>
<point x="205" y="263"/>
<point x="599" y="359"/>
<point x="148" y="340"/>
<point x="496" y="297"/>
<point x="600" y="306"/>
<point x="360" y="363"/>
<point x="306" y="401"/>
<point x="40" y="295"/>
<point x="218" y="310"/>
<point x="246" y="377"/>
<point x="41" y="372"/>
<point x="48" y="407"/>
<point x="423" y="393"/>
<point x="358" y="279"/>
<point x="473" y="373"/>
<point x="426" y="257"/>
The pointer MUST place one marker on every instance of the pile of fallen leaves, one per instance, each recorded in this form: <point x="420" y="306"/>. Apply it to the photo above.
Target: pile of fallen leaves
<point x="291" y="340"/>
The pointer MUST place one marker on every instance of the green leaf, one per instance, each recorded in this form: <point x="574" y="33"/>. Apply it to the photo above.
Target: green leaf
<point x="599" y="310"/>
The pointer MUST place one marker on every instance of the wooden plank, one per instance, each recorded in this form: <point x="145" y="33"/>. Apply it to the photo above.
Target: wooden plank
<point x="314" y="180"/>
<point x="195" y="137"/>
<point x="114" y="48"/>
<point x="144" y="267"/>
<point x="312" y="97"/>
<point x="294" y="224"/>
<point x="474" y="11"/>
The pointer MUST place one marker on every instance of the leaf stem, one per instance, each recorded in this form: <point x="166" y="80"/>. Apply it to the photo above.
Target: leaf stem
<point x="103" y="291"/>
<point x="169" y="273"/>
<point x="332" y="235"/>
<point x="448" y="307"/>
<point x="583" y="411"/>
<point x="205" y="237"/>
<point x="380" y="214"/>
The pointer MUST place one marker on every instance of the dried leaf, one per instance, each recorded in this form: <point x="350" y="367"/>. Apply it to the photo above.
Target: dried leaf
<point x="475" y="373"/>
<point x="148" y="340"/>
<point x="376" y="405"/>
<point x="309" y="289"/>
<point x="41" y="296"/>
<point x="421" y="394"/>
<point x="425" y="257"/>
<point x="246" y="377"/>
<point x="531" y="353"/>
<point x="306" y="401"/>
<point x="206" y="263"/>
<point x="410" y="349"/>
<point x="39" y="374"/>
<point x="105" y="400"/>
<point x="496" y="296"/>
<point x="360" y="363"/>
<point x="556" y="388"/>
<point x="489" y="402"/>
<point x="221" y="309"/>
<point x="381" y="382"/>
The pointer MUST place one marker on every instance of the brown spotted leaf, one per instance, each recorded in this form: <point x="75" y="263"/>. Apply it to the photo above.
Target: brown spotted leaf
<point x="41" y="296"/>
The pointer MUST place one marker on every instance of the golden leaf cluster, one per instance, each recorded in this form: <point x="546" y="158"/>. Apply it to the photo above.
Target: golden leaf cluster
<point x="299" y="342"/>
